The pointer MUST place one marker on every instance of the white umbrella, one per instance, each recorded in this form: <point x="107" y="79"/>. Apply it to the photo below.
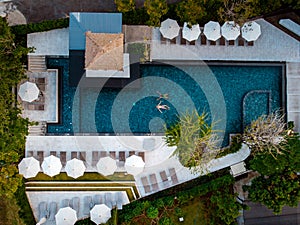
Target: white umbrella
<point x="66" y="216"/>
<point x="75" y="168"/>
<point x="29" y="167"/>
<point x="190" y="34"/>
<point x="29" y="92"/>
<point x="106" y="166"/>
<point x="134" y="165"/>
<point x="169" y="28"/>
<point x="100" y="213"/>
<point x="212" y="31"/>
<point x="230" y="30"/>
<point x="51" y="165"/>
<point x="251" y="31"/>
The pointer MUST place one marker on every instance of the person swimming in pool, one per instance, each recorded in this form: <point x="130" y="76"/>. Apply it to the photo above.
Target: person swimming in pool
<point x="162" y="96"/>
<point x="160" y="107"/>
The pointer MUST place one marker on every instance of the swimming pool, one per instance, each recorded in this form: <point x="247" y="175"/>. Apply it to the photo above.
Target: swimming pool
<point x="247" y="91"/>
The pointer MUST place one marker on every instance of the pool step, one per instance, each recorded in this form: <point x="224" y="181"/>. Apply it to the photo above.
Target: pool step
<point x="37" y="63"/>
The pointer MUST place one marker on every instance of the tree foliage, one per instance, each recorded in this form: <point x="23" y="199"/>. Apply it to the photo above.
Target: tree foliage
<point x="125" y="5"/>
<point x="155" y="9"/>
<point x="279" y="184"/>
<point x="190" y="11"/>
<point x="194" y="137"/>
<point x="267" y="133"/>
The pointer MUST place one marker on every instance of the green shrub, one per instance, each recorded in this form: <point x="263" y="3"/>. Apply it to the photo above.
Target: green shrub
<point x="235" y="146"/>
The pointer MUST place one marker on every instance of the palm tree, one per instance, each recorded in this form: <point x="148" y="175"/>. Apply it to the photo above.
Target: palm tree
<point x="194" y="137"/>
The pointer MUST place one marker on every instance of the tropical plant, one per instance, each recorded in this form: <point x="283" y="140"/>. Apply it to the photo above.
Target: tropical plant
<point x="125" y="5"/>
<point x="194" y="137"/>
<point x="155" y="9"/>
<point x="267" y="133"/>
<point x="190" y="11"/>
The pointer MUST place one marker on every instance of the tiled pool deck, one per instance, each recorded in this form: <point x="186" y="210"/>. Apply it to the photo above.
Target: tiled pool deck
<point x="272" y="46"/>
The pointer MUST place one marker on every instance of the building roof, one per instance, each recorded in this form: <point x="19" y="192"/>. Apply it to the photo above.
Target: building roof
<point x="104" y="51"/>
<point x="80" y="23"/>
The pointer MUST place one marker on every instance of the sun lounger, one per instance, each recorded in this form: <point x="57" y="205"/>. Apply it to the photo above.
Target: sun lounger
<point x="142" y="154"/>
<point x="103" y="154"/>
<point x="65" y="203"/>
<point x="153" y="182"/>
<point x="63" y="158"/>
<point x="73" y="155"/>
<point x="182" y="41"/>
<point x="173" y="175"/>
<point x="95" y="158"/>
<point x="119" y="200"/>
<point x="43" y="212"/>
<point x="192" y="42"/>
<point x="97" y="199"/>
<point x="82" y="156"/>
<point x="40" y="156"/>
<point x="241" y="41"/>
<point x="146" y="184"/>
<point x="222" y="41"/>
<point x="164" y="178"/>
<point x="203" y="39"/>
<point x="212" y="43"/>
<point x="29" y="153"/>
<point x="112" y="154"/>
<point x="231" y="42"/>
<point x="250" y="43"/>
<point x="173" y="41"/>
<point x="53" y="153"/>
<point x="163" y="40"/>
<point x="52" y="211"/>
<point x="114" y="200"/>
<point x="74" y="204"/>
<point x="87" y="205"/>
<point x="122" y="156"/>
<point x="108" y="199"/>
<point x="131" y="153"/>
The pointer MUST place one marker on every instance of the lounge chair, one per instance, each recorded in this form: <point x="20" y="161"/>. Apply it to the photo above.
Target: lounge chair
<point x="112" y="154"/>
<point x="142" y="154"/>
<point x="82" y="156"/>
<point x="119" y="200"/>
<point x="173" y="41"/>
<point x="65" y="203"/>
<point x="146" y="184"/>
<point x="182" y="41"/>
<point x="108" y="200"/>
<point x="131" y="153"/>
<point x="87" y="205"/>
<point x="122" y="156"/>
<point x="250" y="43"/>
<point x="173" y="176"/>
<point x="52" y="211"/>
<point x="212" y="43"/>
<point x="231" y="42"/>
<point x="163" y="40"/>
<point x="164" y="178"/>
<point x="29" y="153"/>
<point x="43" y="212"/>
<point x="73" y="155"/>
<point x="53" y="153"/>
<point x="192" y="42"/>
<point x="103" y="154"/>
<point x="74" y="204"/>
<point x="203" y="39"/>
<point x="153" y="182"/>
<point x="40" y="156"/>
<point x="95" y="158"/>
<point x="222" y="41"/>
<point x="97" y="199"/>
<point x="63" y="158"/>
<point x="114" y="200"/>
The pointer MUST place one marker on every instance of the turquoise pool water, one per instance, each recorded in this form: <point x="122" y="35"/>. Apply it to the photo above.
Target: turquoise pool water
<point x="247" y="92"/>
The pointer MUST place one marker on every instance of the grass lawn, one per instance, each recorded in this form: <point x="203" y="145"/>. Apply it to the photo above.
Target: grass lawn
<point x="192" y="213"/>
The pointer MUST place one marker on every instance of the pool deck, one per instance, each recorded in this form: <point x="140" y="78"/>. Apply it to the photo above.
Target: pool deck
<point x="272" y="46"/>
